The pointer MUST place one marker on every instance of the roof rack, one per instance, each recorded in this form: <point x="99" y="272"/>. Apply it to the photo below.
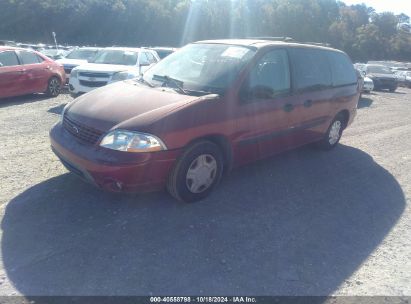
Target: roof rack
<point x="317" y="43"/>
<point x="273" y="38"/>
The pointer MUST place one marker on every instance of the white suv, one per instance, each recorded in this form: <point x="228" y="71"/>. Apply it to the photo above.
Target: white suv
<point x="111" y="65"/>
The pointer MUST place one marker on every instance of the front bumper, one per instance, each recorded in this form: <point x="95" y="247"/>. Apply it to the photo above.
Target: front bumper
<point x="76" y="87"/>
<point x="368" y="86"/>
<point x="112" y="170"/>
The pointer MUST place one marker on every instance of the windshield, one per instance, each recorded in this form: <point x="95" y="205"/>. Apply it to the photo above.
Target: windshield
<point x="82" y="54"/>
<point x="51" y="52"/>
<point x="378" y="69"/>
<point x="115" y="57"/>
<point x="205" y="67"/>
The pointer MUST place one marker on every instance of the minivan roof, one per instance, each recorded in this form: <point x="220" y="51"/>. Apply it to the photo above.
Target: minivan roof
<point x="260" y="43"/>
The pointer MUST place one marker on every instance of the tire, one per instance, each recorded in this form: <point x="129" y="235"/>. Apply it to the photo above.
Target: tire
<point x="392" y="89"/>
<point x="196" y="172"/>
<point x="53" y="87"/>
<point x="333" y="135"/>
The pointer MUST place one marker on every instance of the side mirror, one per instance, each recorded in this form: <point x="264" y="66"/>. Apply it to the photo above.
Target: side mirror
<point x="1" y="64"/>
<point x="144" y="64"/>
<point x="364" y="73"/>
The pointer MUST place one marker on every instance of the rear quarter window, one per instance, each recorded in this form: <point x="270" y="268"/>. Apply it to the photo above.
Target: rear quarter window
<point x="311" y="69"/>
<point x="343" y="72"/>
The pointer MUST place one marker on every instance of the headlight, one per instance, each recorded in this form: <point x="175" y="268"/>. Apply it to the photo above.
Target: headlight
<point x="128" y="141"/>
<point x="121" y="76"/>
<point x="74" y="73"/>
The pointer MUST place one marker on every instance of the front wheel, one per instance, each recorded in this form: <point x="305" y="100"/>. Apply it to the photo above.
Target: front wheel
<point x="333" y="134"/>
<point x="53" y="87"/>
<point x="196" y="172"/>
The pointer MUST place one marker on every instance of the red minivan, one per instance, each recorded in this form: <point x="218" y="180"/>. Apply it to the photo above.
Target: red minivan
<point x="204" y="109"/>
<point x="24" y="72"/>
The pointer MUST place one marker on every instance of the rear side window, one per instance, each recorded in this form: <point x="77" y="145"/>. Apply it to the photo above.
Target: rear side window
<point x="310" y="69"/>
<point x="8" y="58"/>
<point x="28" y="57"/>
<point x="343" y="72"/>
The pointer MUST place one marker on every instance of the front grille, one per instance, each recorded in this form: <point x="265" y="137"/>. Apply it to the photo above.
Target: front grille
<point x="80" y="131"/>
<point x="93" y="84"/>
<point x="94" y="74"/>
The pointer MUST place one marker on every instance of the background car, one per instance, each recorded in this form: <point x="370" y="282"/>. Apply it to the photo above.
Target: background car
<point x="111" y="65"/>
<point x="163" y="51"/>
<point x="382" y="77"/>
<point x="368" y="85"/>
<point x="54" y="53"/>
<point x="76" y="57"/>
<point x="24" y="72"/>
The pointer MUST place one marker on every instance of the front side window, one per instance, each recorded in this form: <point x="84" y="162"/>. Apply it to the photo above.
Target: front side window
<point x="202" y="67"/>
<point x="144" y="59"/>
<point x="115" y="57"/>
<point x="151" y="57"/>
<point x="28" y="57"/>
<point x="270" y="77"/>
<point x="8" y="58"/>
<point x="310" y="69"/>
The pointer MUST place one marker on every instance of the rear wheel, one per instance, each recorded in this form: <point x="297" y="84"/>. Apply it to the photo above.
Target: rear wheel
<point x="196" y="172"/>
<point x="53" y="87"/>
<point x="392" y="89"/>
<point x="333" y="134"/>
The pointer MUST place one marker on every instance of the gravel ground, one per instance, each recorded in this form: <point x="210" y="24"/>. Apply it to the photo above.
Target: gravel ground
<point x="305" y="222"/>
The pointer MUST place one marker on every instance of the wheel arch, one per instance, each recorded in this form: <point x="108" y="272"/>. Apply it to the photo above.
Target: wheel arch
<point x="223" y="143"/>
<point x="345" y="114"/>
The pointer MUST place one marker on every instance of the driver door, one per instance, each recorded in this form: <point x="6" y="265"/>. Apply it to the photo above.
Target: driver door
<point x="264" y="109"/>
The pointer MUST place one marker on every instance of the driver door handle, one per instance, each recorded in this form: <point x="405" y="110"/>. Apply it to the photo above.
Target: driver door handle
<point x="288" y="107"/>
<point x="308" y="103"/>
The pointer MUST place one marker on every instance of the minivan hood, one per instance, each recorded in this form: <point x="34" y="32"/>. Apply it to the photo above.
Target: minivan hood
<point x="110" y="106"/>
<point x="108" y="68"/>
<point x="74" y="62"/>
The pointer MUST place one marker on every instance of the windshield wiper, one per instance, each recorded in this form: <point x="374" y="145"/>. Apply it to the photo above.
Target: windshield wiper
<point x="167" y="79"/>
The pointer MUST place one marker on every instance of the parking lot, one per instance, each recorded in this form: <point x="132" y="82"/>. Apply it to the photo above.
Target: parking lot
<point x="306" y="222"/>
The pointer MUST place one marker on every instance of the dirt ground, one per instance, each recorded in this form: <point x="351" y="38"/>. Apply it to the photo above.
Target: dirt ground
<point x="305" y="222"/>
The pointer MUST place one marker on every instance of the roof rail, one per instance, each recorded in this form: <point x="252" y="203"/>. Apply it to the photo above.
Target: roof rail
<point x="272" y="38"/>
<point x="317" y="43"/>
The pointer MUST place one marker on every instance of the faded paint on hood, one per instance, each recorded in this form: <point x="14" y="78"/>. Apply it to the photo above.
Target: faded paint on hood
<point x="110" y="106"/>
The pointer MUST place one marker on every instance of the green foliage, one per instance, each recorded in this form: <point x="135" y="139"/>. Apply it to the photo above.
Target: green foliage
<point x="356" y="29"/>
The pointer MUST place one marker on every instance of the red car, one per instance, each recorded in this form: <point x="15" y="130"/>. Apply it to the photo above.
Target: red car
<point x="24" y="72"/>
<point x="204" y="109"/>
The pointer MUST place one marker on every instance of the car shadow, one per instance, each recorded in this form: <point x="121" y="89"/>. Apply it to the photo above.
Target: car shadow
<point x="297" y="224"/>
<point x="364" y="102"/>
<point x="12" y="101"/>
<point x="57" y="109"/>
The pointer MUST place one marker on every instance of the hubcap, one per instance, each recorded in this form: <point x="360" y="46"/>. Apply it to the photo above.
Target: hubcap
<point x="335" y="132"/>
<point x="201" y="173"/>
<point x="54" y="87"/>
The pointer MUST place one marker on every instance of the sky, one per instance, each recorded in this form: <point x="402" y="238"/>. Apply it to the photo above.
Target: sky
<point x="395" y="6"/>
